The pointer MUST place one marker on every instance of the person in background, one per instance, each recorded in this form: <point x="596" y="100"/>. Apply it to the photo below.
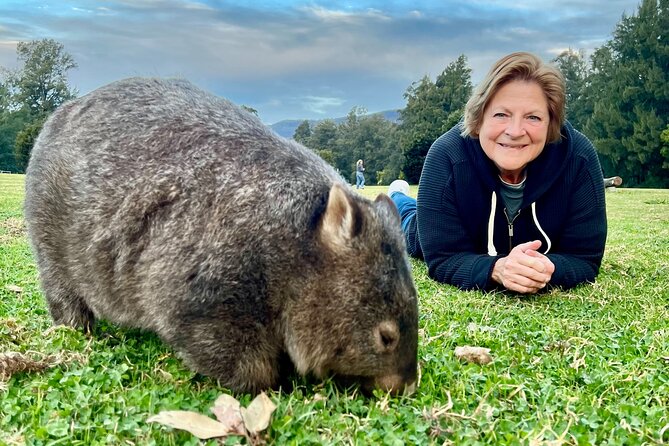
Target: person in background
<point x="512" y="196"/>
<point x="359" y="175"/>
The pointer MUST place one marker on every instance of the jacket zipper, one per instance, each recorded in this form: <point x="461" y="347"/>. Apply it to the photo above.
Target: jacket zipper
<point x="510" y="224"/>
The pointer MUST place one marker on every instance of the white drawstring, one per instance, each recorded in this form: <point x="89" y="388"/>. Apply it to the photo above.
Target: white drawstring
<point x="536" y="222"/>
<point x="491" y="226"/>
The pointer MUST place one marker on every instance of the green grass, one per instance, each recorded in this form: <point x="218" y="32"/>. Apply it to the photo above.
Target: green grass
<point x="585" y="366"/>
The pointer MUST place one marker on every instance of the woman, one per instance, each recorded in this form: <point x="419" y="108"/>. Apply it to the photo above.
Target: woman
<point x="512" y="196"/>
<point x="359" y="175"/>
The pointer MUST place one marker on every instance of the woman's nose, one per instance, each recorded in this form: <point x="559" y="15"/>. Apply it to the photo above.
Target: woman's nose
<point x="515" y="128"/>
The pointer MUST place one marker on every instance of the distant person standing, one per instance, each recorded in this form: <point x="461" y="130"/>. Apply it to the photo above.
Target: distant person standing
<point x="359" y="175"/>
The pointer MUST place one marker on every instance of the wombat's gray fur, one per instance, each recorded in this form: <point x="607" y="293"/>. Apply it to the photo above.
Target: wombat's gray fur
<point x="153" y="204"/>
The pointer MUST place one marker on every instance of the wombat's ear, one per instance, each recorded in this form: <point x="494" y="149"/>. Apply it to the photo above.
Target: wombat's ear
<point x="342" y="219"/>
<point x="385" y="201"/>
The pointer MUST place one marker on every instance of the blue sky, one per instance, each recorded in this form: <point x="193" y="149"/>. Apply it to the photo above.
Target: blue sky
<point x="299" y="59"/>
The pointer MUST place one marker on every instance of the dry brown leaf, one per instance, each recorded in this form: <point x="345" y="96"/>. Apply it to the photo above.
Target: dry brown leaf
<point x="226" y="400"/>
<point x="227" y="410"/>
<point x="14" y="288"/>
<point x="477" y="355"/>
<point x="232" y="418"/>
<point x="259" y="413"/>
<point x="197" y="424"/>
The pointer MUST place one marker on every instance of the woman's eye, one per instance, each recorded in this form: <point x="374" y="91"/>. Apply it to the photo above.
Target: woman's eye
<point x="499" y="115"/>
<point x="534" y="118"/>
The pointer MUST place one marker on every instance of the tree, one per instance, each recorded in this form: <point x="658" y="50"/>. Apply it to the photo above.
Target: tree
<point x="6" y="156"/>
<point x="432" y="108"/>
<point x="664" y="151"/>
<point x="324" y="135"/>
<point x="323" y="139"/>
<point x="418" y="126"/>
<point x="630" y="83"/>
<point x="41" y="85"/>
<point x="11" y="123"/>
<point x="4" y="98"/>
<point x="302" y="132"/>
<point x="32" y="93"/>
<point x="347" y="147"/>
<point x="372" y="139"/>
<point x="454" y="86"/>
<point x="574" y="68"/>
<point x="25" y="140"/>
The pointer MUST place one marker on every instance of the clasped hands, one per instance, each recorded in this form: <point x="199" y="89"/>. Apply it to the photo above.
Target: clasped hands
<point x="525" y="270"/>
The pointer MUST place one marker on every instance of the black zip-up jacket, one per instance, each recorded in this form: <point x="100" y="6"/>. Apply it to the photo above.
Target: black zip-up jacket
<point x="462" y="227"/>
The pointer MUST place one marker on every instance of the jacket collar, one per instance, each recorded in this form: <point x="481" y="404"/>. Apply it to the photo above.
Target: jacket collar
<point x="542" y="172"/>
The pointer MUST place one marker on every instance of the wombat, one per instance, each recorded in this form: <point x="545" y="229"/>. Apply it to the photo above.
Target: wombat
<point x="152" y="204"/>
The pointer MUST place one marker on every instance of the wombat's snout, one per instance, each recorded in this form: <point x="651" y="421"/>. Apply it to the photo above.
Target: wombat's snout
<point x="388" y="341"/>
<point x="396" y="384"/>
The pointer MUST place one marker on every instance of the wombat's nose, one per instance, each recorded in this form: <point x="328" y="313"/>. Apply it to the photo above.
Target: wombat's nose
<point x="396" y="384"/>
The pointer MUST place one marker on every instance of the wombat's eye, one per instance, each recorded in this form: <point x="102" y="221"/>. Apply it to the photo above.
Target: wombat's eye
<point x="386" y="336"/>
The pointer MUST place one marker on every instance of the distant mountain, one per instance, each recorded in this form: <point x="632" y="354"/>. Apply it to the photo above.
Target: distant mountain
<point x="286" y="128"/>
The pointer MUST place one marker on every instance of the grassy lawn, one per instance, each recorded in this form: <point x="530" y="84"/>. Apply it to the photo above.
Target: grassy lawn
<point x="585" y="366"/>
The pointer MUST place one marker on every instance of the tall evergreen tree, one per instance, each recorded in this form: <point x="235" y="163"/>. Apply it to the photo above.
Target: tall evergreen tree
<point x="302" y="132"/>
<point x="418" y="126"/>
<point x="372" y="139"/>
<point x="574" y="68"/>
<point x="323" y="140"/>
<point x="630" y="81"/>
<point x="25" y="140"/>
<point x="6" y="136"/>
<point x="432" y="108"/>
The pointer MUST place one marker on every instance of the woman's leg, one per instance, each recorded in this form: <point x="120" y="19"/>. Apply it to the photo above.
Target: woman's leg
<point x="406" y="206"/>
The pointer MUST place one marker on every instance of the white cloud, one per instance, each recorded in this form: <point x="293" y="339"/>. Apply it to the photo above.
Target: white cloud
<point x="363" y="54"/>
<point x="337" y="15"/>
<point x="321" y="105"/>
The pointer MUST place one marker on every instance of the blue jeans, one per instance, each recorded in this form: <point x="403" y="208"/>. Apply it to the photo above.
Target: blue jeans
<point x="406" y="206"/>
<point x="359" y="180"/>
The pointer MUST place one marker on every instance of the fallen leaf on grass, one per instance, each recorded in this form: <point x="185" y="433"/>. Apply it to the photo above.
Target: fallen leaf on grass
<point x="197" y="424"/>
<point x="228" y="411"/>
<point x="259" y="413"/>
<point x="14" y="288"/>
<point x="232" y="418"/>
<point x="477" y="355"/>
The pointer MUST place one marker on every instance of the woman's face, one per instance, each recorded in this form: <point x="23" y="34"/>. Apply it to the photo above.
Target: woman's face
<point x="514" y="128"/>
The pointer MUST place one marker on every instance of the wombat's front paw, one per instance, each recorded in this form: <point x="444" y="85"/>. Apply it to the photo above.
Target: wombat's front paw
<point x="77" y="317"/>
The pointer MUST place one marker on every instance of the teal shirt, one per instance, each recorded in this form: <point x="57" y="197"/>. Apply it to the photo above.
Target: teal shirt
<point x="512" y="196"/>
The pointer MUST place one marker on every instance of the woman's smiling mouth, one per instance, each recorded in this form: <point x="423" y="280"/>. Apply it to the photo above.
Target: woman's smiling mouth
<point x="509" y="146"/>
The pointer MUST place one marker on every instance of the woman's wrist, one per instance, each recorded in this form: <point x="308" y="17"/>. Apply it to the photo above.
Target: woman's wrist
<point x="498" y="270"/>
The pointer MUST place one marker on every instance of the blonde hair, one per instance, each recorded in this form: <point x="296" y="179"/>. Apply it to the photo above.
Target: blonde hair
<point x="520" y="66"/>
